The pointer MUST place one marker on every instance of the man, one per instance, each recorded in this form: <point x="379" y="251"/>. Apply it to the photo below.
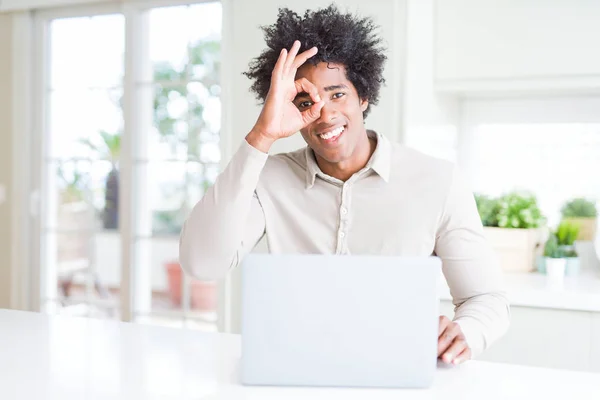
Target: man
<point x="350" y="191"/>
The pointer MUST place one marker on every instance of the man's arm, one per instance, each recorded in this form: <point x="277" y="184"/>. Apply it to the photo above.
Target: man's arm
<point x="228" y="221"/>
<point x="472" y="271"/>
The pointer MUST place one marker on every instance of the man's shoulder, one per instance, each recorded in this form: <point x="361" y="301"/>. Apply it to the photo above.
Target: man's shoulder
<point x="291" y="157"/>
<point x="405" y="157"/>
<point x="430" y="178"/>
<point x="285" y="166"/>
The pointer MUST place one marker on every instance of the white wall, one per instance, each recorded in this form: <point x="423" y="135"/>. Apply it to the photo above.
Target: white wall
<point x="542" y="110"/>
<point x="517" y="46"/>
<point x="20" y="5"/>
<point x="6" y="158"/>
<point x="491" y="39"/>
<point x="15" y="128"/>
<point x="431" y="120"/>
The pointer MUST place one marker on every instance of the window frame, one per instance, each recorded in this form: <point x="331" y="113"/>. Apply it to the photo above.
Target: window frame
<point x="134" y="13"/>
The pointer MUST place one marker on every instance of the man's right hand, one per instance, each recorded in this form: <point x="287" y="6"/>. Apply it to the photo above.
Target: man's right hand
<point x="280" y="118"/>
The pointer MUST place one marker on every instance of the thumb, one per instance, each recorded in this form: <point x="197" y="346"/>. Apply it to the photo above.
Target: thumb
<point x="313" y="113"/>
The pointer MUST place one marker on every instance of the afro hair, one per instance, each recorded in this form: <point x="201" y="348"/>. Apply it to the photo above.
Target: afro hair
<point x="341" y="38"/>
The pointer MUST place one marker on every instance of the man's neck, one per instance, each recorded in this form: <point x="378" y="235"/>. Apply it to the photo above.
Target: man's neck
<point x="345" y="169"/>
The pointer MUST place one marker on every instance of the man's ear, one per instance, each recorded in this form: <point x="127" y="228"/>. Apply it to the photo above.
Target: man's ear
<point x="364" y="103"/>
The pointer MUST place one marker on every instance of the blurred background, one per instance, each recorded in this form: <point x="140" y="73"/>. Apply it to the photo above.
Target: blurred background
<point x="116" y="116"/>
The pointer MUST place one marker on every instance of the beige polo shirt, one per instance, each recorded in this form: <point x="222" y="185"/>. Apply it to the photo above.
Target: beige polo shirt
<point x="402" y="203"/>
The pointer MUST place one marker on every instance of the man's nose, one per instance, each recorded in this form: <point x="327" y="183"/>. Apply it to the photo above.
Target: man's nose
<point x="328" y="112"/>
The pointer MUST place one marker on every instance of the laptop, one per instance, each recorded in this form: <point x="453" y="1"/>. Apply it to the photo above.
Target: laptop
<point x="339" y="321"/>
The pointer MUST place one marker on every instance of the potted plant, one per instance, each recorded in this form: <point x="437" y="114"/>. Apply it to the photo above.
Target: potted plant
<point x="555" y="262"/>
<point x="566" y="234"/>
<point x="203" y="294"/>
<point x="73" y="212"/>
<point x="488" y="208"/>
<point x="584" y="213"/>
<point x="512" y="226"/>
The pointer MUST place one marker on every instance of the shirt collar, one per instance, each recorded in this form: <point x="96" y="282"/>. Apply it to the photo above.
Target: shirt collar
<point x="312" y="168"/>
<point x="379" y="161"/>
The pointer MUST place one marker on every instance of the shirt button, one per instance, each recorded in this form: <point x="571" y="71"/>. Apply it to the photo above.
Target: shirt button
<point x="342" y="234"/>
<point x="344" y="211"/>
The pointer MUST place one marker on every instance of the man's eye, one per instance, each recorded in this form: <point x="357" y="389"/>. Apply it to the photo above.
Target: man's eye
<point x="338" y="95"/>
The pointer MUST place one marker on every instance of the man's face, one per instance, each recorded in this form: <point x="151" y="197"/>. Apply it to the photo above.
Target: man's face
<point x="334" y="137"/>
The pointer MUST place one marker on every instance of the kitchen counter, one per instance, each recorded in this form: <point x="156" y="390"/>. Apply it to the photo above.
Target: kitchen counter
<point x="579" y="293"/>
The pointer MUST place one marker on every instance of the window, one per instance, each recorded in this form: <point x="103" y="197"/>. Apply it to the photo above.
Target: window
<point x="179" y="158"/>
<point x="557" y="162"/>
<point x="159" y="152"/>
<point x="550" y="147"/>
<point x="80" y="167"/>
<point x="436" y="141"/>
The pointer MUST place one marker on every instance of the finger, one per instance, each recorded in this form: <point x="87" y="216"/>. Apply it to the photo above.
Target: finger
<point x="447" y="337"/>
<point x="302" y="57"/>
<point x="278" y="69"/>
<point x="444" y="322"/>
<point x="462" y="357"/>
<point x="456" y="348"/>
<point x="291" y="57"/>
<point x="304" y="85"/>
<point x="313" y="113"/>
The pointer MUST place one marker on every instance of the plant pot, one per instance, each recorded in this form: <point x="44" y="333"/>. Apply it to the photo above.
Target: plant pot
<point x="72" y="216"/>
<point x="587" y="255"/>
<point x="555" y="270"/>
<point x="587" y="227"/>
<point x="110" y="216"/>
<point x="540" y="263"/>
<point x="203" y="294"/>
<point x="572" y="266"/>
<point x="516" y="248"/>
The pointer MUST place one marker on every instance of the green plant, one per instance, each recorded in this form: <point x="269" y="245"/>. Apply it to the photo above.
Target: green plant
<point x="168" y="222"/>
<point x="109" y="148"/>
<point x="551" y="248"/>
<point x="579" y="208"/>
<point x="519" y="210"/>
<point x="488" y="208"/>
<point x="205" y="64"/>
<point x="72" y="187"/>
<point x="567" y="233"/>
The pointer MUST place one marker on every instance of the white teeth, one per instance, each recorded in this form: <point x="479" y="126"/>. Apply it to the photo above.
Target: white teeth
<point x="333" y="133"/>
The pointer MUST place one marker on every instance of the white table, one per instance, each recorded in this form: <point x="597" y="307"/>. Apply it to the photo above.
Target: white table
<point x="55" y="357"/>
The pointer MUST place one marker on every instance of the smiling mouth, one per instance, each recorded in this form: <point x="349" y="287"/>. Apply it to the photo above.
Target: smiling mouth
<point x="333" y="134"/>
